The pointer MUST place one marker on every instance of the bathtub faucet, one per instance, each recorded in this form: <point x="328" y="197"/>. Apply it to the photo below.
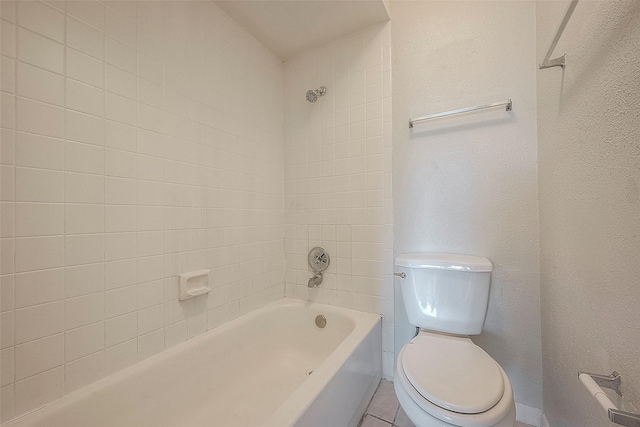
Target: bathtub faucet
<point x="315" y="280"/>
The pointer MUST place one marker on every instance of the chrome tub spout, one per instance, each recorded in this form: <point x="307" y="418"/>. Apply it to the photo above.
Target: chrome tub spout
<point x="315" y="280"/>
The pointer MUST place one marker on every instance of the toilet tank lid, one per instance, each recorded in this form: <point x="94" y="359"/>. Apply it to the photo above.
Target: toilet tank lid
<point x="440" y="261"/>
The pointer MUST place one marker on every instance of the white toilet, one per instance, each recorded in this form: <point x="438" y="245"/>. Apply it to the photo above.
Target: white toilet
<point x="442" y="378"/>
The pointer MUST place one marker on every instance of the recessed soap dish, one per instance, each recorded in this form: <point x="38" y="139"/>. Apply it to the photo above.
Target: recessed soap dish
<point x="194" y="283"/>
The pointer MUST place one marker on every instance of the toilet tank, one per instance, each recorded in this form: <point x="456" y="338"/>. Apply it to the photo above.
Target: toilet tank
<point x="445" y="292"/>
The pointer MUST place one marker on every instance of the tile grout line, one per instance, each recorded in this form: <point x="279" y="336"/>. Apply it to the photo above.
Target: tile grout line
<point x="381" y="419"/>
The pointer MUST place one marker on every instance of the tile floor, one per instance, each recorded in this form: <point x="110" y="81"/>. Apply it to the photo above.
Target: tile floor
<point x="385" y="411"/>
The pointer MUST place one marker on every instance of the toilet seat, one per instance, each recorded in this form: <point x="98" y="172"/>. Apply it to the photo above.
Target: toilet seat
<point x="452" y="373"/>
<point x="424" y="412"/>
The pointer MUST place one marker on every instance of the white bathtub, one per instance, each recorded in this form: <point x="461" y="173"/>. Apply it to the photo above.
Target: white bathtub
<point x="250" y="372"/>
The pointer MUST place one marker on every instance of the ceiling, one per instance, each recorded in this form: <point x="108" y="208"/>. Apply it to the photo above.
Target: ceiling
<point x="291" y="27"/>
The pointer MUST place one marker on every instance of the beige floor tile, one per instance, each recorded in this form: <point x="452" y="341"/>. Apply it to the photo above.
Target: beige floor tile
<point x="384" y="403"/>
<point x="370" y="421"/>
<point x="402" y="420"/>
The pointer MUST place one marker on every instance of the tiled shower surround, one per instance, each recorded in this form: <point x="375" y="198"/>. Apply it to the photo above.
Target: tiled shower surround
<point x="139" y="140"/>
<point x="338" y="175"/>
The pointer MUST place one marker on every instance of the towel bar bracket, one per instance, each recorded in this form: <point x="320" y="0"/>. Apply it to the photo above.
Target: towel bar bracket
<point x="612" y="382"/>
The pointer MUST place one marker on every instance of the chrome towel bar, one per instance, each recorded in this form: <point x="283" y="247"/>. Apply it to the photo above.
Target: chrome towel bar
<point x="594" y="383"/>
<point x="507" y="104"/>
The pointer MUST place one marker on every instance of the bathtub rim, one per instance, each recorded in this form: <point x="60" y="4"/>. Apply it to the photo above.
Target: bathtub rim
<point x="364" y="323"/>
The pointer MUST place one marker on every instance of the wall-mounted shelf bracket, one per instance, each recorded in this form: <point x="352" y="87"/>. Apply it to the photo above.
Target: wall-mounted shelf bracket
<point x="561" y="60"/>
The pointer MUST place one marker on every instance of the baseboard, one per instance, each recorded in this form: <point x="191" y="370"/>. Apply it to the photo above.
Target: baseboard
<point x="529" y="415"/>
<point x="545" y="422"/>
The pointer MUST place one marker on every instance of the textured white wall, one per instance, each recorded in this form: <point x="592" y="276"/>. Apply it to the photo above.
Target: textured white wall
<point x="468" y="184"/>
<point x="589" y="175"/>
<point x="338" y="174"/>
<point x="140" y="140"/>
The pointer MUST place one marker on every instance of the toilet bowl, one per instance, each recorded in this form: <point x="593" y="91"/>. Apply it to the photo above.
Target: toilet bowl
<point x="442" y="378"/>
<point x="443" y="381"/>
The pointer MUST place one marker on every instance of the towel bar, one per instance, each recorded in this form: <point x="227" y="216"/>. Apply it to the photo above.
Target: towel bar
<point x="507" y="104"/>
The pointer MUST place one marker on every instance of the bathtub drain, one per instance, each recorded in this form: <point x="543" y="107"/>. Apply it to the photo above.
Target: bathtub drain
<point x="309" y="372"/>
<point x="321" y="321"/>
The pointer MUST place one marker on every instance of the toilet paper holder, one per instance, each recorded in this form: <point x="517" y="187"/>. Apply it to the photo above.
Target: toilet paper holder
<point x="594" y="384"/>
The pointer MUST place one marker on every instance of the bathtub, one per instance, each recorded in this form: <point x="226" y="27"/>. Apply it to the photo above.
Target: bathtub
<point x="270" y="368"/>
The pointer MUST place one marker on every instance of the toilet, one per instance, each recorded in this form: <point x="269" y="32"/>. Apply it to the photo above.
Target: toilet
<point x="442" y="378"/>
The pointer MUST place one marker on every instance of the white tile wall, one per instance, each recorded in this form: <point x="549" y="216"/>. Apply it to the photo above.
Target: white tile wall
<point x="338" y="175"/>
<point x="138" y="140"/>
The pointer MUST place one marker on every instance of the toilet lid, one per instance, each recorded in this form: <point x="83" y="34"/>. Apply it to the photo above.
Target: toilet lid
<point x="453" y="373"/>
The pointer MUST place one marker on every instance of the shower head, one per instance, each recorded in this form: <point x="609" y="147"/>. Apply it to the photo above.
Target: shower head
<point x="312" y="95"/>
